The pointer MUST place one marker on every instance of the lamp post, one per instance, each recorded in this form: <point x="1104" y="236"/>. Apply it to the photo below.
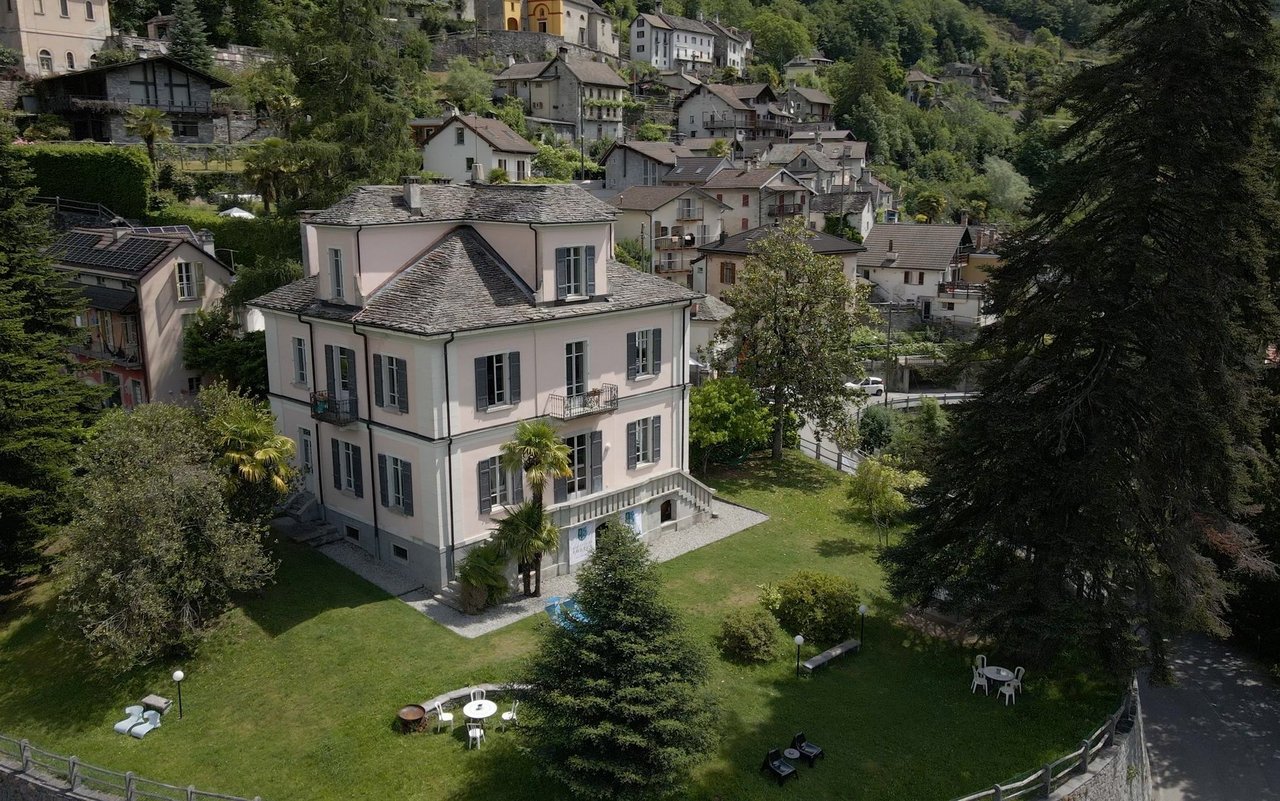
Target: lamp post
<point x="178" y="676"/>
<point x="862" y="627"/>
<point x="799" y="642"/>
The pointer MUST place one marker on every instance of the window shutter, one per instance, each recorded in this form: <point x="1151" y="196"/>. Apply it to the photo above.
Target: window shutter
<point x="562" y="273"/>
<point x="482" y="384"/>
<point x="331" y="380"/>
<point x="484" y="479"/>
<point x="517" y="486"/>
<point x="337" y="464"/>
<point x="591" y="270"/>
<point x="357" y="466"/>
<point x="177" y="278"/>
<point x="378" y="375"/>
<point x="632" y="356"/>
<point x="402" y="384"/>
<point x="656" y="433"/>
<point x="513" y="376"/>
<point x="655" y="341"/>
<point x="383" y="479"/>
<point x="597" y="461"/>
<point x="633" y="456"/>
<point x="406" y="487"/>
<point x="199" y="279"/>
<point x="560" y="489"/>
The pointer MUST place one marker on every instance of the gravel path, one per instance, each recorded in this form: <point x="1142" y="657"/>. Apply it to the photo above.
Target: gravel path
<point x="728" y="519"/>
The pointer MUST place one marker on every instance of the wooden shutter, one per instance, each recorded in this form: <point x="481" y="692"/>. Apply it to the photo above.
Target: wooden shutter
<point x="597" y="461"/>
<point x="633" y="456"/>
<point x="199" y="279"/>
<point x="331" y="380"/>
<point x="632" y="357"/>
<point x="337" y="463"/>
<point x="484" y="480"/>
<point x="482" y="384"/>
<point x="383" y="480"/>
<point x="402" y="385"/>
<point x="655" y="342"/>
<point x="406" y="488"/>
<point x="591" y="270"/>
<point x="562" y="273"/>
<point x="655" y="434"/>
<point x="560" y="489"/>
<point x="378" y="373"/>
<point x="357" y="467"/>
<point x="513" y="376"/>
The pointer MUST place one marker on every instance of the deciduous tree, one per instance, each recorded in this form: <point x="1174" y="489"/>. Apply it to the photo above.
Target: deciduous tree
<point x="879" y="491"/>
<point x="727" y="421"/>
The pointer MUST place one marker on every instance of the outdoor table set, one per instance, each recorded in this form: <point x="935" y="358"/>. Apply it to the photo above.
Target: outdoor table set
<point x="1009" y="681"/>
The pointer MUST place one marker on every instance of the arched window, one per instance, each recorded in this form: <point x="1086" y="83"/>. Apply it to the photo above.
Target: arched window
<point x="71" y="60"/>
<point x="46" y="61"/>
<point x="93" y="60"/>
<point x="88" y="10"/>
<point x="513" y="24"/>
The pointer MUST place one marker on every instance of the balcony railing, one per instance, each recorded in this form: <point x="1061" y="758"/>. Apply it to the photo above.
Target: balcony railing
<point x="329" y="408"/>
<point x="120" y="104"/>
<point x="960" y="289"/>
<point x="689" y="213"/>
<point x="676" y="242"/>
<point x="714" y="121"/>
<point x="124" y="356"/>
<point x="603" y="398"/>
<point x="786" y="209"/>
<point x="678" y="265"/>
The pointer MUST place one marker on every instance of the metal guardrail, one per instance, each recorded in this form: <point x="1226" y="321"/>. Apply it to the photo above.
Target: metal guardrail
<point x="330" y="408"/>
<point x="20" y="756"/>
<point x="603" y="398"/>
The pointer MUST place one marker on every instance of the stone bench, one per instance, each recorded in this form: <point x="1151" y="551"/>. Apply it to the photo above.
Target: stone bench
<point x="831" y="653"/>
<point x="462" y="695"/>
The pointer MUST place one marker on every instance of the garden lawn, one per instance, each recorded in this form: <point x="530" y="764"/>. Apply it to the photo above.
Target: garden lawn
<point x="295" y="698"/>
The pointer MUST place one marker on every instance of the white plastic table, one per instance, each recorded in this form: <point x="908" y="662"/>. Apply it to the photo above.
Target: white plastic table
<point x="479" y="710"/>
<point x="997" y="673"/>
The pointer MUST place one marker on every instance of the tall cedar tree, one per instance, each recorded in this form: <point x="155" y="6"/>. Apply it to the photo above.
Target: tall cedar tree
<point x="1092" y="494"/>
<point x="619" y="698"/>
<point x="793" y="312"/>
<point x="188" y="41"/>
<point x="44" y="408"/>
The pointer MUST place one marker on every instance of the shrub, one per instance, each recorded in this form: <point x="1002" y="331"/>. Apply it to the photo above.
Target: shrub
<point x="483" y="577"/>
<point x="749" y="635"/>
<point x="261" y="239"/>
<point x="875" y="429"/>
<point x="117" y="177"/>
<point x="821" y="606"/>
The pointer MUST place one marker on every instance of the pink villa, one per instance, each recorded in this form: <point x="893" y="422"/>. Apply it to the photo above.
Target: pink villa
<point x="432" y="320"/>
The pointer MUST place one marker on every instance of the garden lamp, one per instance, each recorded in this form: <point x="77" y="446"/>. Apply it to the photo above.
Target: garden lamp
<point x="862" y="629"/>
<point x="178" y="676"/>
<point x="799" y="642"/>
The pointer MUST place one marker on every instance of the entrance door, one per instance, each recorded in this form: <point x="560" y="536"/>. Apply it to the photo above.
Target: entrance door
<point x="343" y="370"/>
<point x="307" y="460"/>
<point x="927" y="310"/>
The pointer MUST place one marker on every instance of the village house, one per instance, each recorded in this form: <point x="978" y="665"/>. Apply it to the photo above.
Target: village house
<point x="467" y="144"/>
<point x="809" y="105"/>
<point x="142" y="287"/>
<point x="588" y="96"/>
<point x="637" y="163"/>
<point x="696" y="169"/>
<point x="668" y="42"/>
<point x="801" y="66"/>
<point x="922" y="88"/>
<point x="732" y="47"/>
<point x="578" y="22"/>
<point x="725" y="259"/>
<point x="434" y="319"/>
<point x="924" y="265"/>
<point x="744" y="112"/>
<point x="854" y="209"/>
<point x="759" y="196"/>
<point x="55" y="36"/>
<point x="840" y="145"/>
<point x="810" y="163"/>
<point x="672" y="222"/>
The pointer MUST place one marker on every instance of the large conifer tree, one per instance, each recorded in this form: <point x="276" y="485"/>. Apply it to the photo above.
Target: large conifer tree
<point x="44" y="408"/>
<point x="1093" y="493"/>
<point x="188" y="41"/>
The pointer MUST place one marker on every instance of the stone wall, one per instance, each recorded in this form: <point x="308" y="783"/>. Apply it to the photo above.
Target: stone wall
<point x="1121" y="772"/>
<point x="34" y="786"/>
<point x="504" y="45"/>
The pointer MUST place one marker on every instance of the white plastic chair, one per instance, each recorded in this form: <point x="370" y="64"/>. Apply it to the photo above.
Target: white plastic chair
<point x="443" y="717"/>
<point x="979" y="680"/>
<point x="475" y="735"/>
<point x="150" y="720"/>
<point x="510" y="716"/>
<point x="1006" y="690"/>
<point x="1016" y="681"/>
<point x="134" y="718"/>
<point x="980" y="661"/>
<point x="477" y="695"/>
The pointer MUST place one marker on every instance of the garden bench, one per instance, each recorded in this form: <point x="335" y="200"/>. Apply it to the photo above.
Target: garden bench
<point x="831" y="653"/>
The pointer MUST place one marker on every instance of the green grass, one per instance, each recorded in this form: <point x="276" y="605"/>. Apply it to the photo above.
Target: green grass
<point x="295" y="697"/>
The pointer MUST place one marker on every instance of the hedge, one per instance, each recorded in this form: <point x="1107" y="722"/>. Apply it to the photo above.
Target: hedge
<point x="265" y="238"/>
<point x="117" y="177"/>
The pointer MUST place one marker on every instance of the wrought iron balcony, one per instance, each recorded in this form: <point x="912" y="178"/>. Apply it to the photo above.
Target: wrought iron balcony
<point x="603" y="398"/>
<point x="328" y="408"/>
<point x="689" y="213"/>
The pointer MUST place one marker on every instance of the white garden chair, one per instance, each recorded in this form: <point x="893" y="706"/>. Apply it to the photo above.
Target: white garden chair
<point x="979" y="680"/>
<point x="475" y="735"/>
<point x="134" y="718"/>
<point x="510" y="715"/>
<point x="443" y="717"/>
<point x="1016" y="681"/>
<point x="477" y="695"/>
<point x="1006" y="691"/>
<point x="981" y="661"/>
<point x="150" y="720"/>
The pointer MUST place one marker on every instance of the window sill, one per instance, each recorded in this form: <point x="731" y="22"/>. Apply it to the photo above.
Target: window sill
<point x="302" y="385"/>
<point x="186" y="300"/>
<point x="644" y="465"/>
<point x="501" y="407"/>
<point x="398" y="511"/>
<point x="643" y="378"/>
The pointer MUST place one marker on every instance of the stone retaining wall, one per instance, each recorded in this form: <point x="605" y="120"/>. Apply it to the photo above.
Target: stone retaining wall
<point x="1121" y="772"/>
<point x="502" y="45"/>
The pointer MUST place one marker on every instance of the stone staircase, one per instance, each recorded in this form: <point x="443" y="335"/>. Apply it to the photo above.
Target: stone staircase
<point x="450" y="595"/>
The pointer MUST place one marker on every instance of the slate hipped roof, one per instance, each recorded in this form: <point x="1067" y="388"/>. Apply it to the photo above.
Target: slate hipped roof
<point x="461" y="284"/>
<point x="661" y="152"/>
<point x="711" y="310"/>
<point x="650" y="198"/>
<point x="918" y="247"/>
<point x="743" y="243"/>
<point x="672" y="22"/>
<point x="785" y="154"/>
<point x="814" y="95"/>
<point x="496" y="132"/>
<point x="523" y="72"/>
<point x="843" y="202"/>
<point x="589" y="72"/>
<point x="745" y="179"/>
<point x="518" y="203"/>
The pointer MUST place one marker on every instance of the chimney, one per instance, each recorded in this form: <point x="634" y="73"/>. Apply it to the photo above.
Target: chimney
<point x="413" y="193"/>
<point x="964" y="218"/>
<point x="562" y="53"/>
<point x="477" y="173"/>
<point x="205" y="239"/>
<point x="723" y="236"/>
<point x="657" y="7"/>
<point x="511" y="61"/>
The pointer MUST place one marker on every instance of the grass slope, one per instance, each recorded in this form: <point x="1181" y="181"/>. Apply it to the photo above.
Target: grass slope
<point x="295" y="698"/>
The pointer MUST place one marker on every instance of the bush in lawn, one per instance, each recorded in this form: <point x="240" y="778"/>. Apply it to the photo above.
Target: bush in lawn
<point x="483" y="577"/>
<point x="750" y="635"/>
<point x="821" y="606"/>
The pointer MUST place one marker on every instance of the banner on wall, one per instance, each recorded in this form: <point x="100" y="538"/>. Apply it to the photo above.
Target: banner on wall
<point x="582" y="542"/>
<point x="634" y="518"/>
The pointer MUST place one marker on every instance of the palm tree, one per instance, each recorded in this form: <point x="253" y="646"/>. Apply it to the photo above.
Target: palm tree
<point x="252" y="449"/>
<point x="541" y="454"/>
<point x="149" y="124"/>
<point x="526" y="533"/>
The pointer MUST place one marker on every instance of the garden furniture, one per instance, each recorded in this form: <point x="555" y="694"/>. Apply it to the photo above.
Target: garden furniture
<point x="475" y="735"/>
<point x="979" y="680"/>
<point x="1006" y="690"/>
<point x="150" y="720"/>
<point x="1016" y="681"/>
<point x="411" y="717"/>
<point x="996" y="673"/>
<point x="806" y="749"/>
<point x="156" y="702"/>
<point x="134" y="718"/>
<point x="479" y="710"/>
<point x="778" y="767"/>
<point x="981" y="661"/>
<point x="510" y="715"/>
<point x="831" y="653"/>
<point x="443" y="717"/>
<point x="477" y="695"/>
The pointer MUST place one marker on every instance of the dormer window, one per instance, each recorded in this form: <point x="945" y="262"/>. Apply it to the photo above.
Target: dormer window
<point x="335" y="271"/>
<point x="575" y="272"/>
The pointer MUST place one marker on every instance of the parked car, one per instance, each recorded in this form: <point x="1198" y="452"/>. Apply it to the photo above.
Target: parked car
<point x="870" y="385"/>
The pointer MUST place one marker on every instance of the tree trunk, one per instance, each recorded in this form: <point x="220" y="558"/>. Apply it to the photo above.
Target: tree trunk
<point x="151" y="149"/>
<point x="537" y="577"/>
<point x="779" y="423"/>
<point x="523" y="567"/>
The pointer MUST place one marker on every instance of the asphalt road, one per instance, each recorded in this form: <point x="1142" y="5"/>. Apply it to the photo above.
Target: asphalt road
<point x="1215" y="735"/>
